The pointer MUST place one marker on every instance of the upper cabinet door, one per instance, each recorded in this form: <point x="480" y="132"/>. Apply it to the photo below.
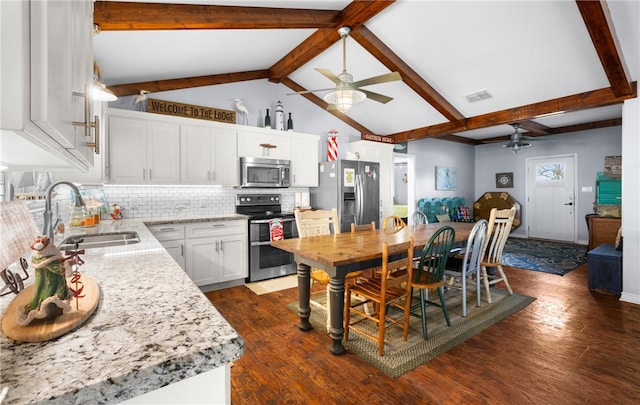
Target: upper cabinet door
<point x="197" y="144"/>
<point x="304" y="161"/>
<point x="127" y="150"/>
<point x="163" y="153"/>
<point x="261" y="144"/>
<point x="61" y="60"/>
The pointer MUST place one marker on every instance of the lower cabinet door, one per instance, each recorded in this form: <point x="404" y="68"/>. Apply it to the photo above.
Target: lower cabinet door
<point x="233" y="253"/>
<point x="202" y="260"/>
<point x="176" y="249"/>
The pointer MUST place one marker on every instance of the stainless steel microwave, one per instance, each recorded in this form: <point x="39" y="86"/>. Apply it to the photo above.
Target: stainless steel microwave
<point x="257" y="172"/>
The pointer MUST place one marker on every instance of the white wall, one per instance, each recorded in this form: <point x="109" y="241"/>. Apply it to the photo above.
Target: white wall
<point x="631" y="201"/>
<point x="590" y="148"/>
<point x="435" y="152"/>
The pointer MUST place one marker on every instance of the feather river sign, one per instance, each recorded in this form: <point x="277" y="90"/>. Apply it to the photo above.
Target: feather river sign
<point x="190" y="111"/>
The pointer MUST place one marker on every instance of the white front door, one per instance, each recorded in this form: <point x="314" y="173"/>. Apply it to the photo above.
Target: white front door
<point x="551" y="205"/>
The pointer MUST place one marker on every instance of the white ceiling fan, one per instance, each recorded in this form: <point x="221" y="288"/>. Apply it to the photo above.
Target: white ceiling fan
<point x="347" y="92"/>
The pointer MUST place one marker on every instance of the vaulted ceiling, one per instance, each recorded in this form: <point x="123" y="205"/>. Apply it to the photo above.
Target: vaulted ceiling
<point x="552" y="66"/>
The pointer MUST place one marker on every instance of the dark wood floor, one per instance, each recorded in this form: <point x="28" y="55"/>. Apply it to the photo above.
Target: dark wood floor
<point x="571" y="346"/>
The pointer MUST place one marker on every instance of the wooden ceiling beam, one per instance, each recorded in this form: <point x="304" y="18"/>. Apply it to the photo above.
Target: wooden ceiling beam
<point x="122" y="16"/>
<point x="354" y="15"/>
<point x="597" y="18"/>
<point x="322" y="104"/>
<point x="129" y="89"/>
<point x="590" y="99"/>
<point x="534" y="127"/>
<point x="393" y="62"/>
<point x="613" y="122"/>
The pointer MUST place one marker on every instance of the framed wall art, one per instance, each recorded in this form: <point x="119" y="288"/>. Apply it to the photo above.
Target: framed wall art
<point x="446" y="178"/>
<point x="504" y="180"/>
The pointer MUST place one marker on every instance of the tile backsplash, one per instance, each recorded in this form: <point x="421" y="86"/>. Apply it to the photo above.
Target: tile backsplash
<point x="164" y="201"/>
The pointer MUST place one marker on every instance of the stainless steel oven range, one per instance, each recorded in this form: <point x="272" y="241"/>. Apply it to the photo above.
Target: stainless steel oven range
<point x="265" y="261"/>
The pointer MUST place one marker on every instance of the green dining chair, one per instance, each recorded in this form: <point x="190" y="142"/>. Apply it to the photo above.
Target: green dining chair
<point x="429" y="273"/>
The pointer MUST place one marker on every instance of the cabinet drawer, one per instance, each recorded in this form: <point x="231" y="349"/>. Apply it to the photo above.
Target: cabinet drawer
<point x="167" y="231"/>
<point x="215" y="228"/>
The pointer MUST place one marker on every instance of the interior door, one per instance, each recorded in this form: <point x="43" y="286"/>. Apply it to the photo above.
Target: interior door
<point x="551" y="205"/>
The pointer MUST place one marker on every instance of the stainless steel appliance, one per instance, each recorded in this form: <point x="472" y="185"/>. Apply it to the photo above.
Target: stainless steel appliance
<point x="351" y="186"/>
<point x="258" y="172"/>
<point x="265" y="261"/>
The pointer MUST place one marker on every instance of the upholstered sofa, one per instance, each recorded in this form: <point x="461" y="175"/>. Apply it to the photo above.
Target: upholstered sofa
<point x="441" y="209"/>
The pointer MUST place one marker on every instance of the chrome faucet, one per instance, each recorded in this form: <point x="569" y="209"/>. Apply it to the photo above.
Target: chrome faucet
<point x="48" y="214"/>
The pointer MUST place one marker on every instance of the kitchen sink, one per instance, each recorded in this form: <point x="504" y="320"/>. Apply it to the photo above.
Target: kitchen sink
<point x="99" y="240"/>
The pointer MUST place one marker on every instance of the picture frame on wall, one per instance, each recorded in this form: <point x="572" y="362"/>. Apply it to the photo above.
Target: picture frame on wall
<point x="446" y="178"/>
<point x="504" y="180"/>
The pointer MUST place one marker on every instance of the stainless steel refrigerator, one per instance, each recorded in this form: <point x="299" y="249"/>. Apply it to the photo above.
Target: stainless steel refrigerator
<point x="351" y="186"/>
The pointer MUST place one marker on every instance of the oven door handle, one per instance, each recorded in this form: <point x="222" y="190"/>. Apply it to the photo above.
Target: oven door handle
<point x="266" y="221"/>
<point x="267" y="243"/>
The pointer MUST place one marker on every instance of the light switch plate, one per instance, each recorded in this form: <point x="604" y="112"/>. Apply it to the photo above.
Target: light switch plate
<point x="587" y="189"/>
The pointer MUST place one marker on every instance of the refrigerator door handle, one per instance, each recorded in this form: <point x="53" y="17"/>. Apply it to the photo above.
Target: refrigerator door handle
<point x="359" y="199"/>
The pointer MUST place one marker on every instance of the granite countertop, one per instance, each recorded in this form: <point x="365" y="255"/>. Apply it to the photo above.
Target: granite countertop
<point x="153" y="327"/>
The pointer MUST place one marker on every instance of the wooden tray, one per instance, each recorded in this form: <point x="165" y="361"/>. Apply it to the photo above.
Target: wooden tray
<point x="41" y="331"/>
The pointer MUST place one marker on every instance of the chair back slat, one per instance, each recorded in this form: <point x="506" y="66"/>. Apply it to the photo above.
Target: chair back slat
<point x="364" y="227"/>
<point x="393" y="223"/>
<point x="316" y="223"/>
<point x="418" y="218"/>
<point x="434" y="256"/>
<point x="475" y="244"/>
<point x="393" y="272"/>
<point x="499" y="228"/>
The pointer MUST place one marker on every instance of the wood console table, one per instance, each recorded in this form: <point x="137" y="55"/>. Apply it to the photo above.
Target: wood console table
<point x="602" y="230"/>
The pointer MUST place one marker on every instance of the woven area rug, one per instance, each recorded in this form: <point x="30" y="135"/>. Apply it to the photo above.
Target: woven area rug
<point x="545" y="256"/>
<point x="400" y="357"/>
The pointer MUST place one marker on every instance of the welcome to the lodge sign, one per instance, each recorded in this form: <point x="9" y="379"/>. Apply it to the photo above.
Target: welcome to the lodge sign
<point x="190" y="111"/>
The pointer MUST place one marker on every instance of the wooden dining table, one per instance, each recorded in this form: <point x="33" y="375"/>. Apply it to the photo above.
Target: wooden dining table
<point x="343" y="253"/>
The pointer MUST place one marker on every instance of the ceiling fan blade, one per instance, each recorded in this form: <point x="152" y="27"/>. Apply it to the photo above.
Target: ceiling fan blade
<point x="332" y="107"/>
<point x="329" y="75"/>
<point x="380" y="98"/>
<point x="388" y="77"/>
<point x="310" y="91"/>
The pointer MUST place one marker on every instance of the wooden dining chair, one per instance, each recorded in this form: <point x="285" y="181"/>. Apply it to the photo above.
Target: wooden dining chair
<point x="316" y="223"/>
<point x="393" y="223"/>
<point x="429" y="273"/>
<point x="498" y="231"/>
<point x="363" y="227"/>
<point x="418" y="218"/>
<point x="465" y="265"/>
<point x="391" y="289"/>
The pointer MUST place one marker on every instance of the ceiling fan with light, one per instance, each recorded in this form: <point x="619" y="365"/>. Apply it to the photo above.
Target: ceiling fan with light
<point x="347" y="92"/>
<point x="517" y="141"/>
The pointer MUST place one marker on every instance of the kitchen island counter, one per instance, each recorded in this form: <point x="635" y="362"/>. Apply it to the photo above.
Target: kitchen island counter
<point x="153" y="327"/>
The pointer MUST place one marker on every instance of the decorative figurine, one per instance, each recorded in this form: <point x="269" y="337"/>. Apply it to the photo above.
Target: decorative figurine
<point x="244" y="113"/>
<point x="267" y="120"/>
<point x="116" y="212"/>
<point x="51" y="297"/>
<point x="279" y="116"/>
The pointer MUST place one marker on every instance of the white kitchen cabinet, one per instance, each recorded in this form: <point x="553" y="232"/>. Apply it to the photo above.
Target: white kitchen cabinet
<point x="143" y="151"/>
<point x="171" y="236"/>
<point x="382" y="153"/>
<point x="47" y="55"/>
<point x="304" y="160"/>
<point x="208" y="155"/>
<point x="216" y="251"/>
<point x="263" y="143"/>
